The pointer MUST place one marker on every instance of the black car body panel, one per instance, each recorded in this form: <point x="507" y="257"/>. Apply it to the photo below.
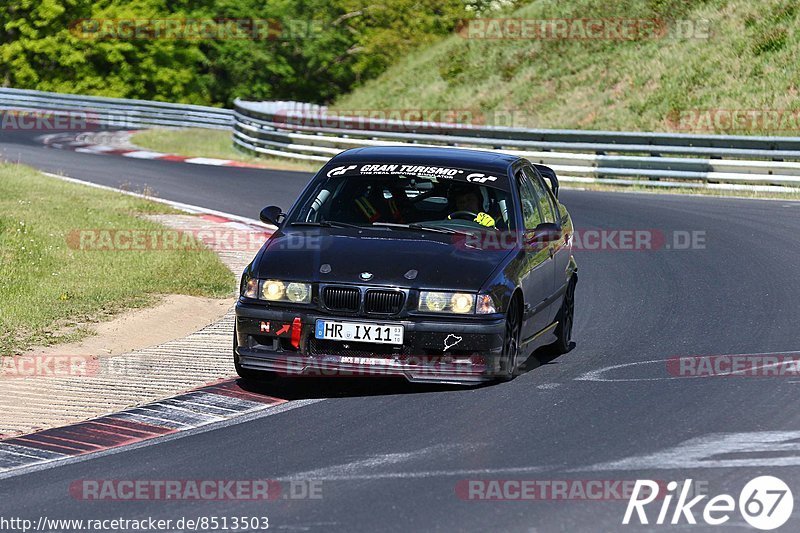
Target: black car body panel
<point x="367" y="274"/>
<point x="299" y="253"/>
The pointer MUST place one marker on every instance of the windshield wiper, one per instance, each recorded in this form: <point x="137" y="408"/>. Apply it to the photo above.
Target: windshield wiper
<point x="415" y="226"/>
<point x="327" y="224"/>
<point x="422" y="227"/>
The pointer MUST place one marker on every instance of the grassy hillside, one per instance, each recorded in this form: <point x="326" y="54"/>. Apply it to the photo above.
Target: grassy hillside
<point x="748" y="61"/>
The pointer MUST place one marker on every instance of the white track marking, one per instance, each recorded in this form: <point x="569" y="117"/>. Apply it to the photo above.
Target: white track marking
<point x="95" y="149"/>
<point x="208" y="161"/>
<point x="548" y="386"/>
<point x="344" y="470"/>
<point x="334" y="476"/>
<point x="143" y="154"/>
<point x="597" y="375"/>
<point x="705" y="452"/>
<point x="364" y="469"/>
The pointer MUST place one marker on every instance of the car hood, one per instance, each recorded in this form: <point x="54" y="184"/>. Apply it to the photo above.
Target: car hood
<point x="441" y="261"/>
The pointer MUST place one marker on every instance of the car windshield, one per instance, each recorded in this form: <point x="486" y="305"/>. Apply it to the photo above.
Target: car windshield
<point x="391" y="195"/>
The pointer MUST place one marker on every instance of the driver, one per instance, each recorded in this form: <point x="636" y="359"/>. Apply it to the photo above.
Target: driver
<point x="469" y="199"/>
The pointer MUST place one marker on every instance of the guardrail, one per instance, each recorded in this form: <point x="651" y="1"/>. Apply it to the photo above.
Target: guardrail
<point x="117" y="112"/>
<point x="309" y="132"/>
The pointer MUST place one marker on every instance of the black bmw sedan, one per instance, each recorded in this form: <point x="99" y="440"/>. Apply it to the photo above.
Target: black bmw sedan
<point x="438" y="264"/>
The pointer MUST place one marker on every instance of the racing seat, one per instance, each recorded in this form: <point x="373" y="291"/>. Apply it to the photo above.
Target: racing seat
<point x="499" y="212"/>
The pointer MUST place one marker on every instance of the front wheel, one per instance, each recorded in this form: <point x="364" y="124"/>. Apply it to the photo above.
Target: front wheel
<point x="511" y="346"/>
<point x="565" y="318"/>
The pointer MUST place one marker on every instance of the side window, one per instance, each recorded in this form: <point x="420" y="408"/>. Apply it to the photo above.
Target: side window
<point x="545" y="204"/>
<point x="531" y="215"/>
<point x="551" y="199"/>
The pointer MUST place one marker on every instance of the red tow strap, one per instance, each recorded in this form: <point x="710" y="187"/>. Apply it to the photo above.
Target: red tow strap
<point x="296" y="327"/>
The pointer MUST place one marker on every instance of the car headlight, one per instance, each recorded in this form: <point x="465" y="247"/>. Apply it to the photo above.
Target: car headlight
<point x="298" y="292"/>
<point x="274" y="290"/>
<point x="462" y="303"/>
<point x="432" y="301"/>
<point x="446" y="302"/>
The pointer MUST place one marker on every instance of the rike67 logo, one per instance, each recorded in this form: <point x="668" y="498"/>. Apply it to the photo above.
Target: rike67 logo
<point x="765" y="503"/>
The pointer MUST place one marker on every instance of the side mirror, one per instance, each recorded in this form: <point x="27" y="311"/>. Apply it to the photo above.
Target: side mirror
<point x="549" y="174"/>
<point x="271" y="215"/>
<point x="544" y="233"/>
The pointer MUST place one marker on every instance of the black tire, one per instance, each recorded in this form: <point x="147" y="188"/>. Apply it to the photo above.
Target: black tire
<point x="247" y="374"/>
<point x="511" y="348"/>
<point x="565" y="318"/>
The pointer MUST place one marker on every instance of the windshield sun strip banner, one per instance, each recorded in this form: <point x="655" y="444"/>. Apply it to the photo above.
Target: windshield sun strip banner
<point x="496" y="180"/>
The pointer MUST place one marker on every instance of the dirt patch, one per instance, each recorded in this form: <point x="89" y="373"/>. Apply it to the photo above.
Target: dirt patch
<point x="174" y="317"/>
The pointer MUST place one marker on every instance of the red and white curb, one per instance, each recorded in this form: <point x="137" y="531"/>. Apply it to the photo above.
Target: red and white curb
<point x="204" y="406"/>
<point x="118" y="143"/>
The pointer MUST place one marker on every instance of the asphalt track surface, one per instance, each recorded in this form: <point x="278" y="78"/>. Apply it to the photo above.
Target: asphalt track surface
<point x="390" y="455"/>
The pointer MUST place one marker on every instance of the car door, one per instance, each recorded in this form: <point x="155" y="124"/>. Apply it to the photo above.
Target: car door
<point x="538" y="270"/>
<point x="557" y="250"/>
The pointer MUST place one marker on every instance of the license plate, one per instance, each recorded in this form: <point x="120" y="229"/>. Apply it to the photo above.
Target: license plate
<point x="358" y="332"/>
<point x="368" y="361"/>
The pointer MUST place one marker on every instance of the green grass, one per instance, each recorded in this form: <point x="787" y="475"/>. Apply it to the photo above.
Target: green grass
<point x="749" y="61"/>
<point x="49" y="289"/>
<point x="198" y="142"/>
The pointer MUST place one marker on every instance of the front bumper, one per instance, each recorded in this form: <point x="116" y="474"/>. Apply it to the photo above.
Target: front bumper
<point x="462" y="350"/>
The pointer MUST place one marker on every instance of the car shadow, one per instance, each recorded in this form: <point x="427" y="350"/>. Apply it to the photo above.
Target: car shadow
<point x="542" y="356"/>
<point x="303" y="388"/>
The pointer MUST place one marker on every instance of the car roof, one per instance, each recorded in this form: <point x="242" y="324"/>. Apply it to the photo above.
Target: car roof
<point x="432" y="156"/>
